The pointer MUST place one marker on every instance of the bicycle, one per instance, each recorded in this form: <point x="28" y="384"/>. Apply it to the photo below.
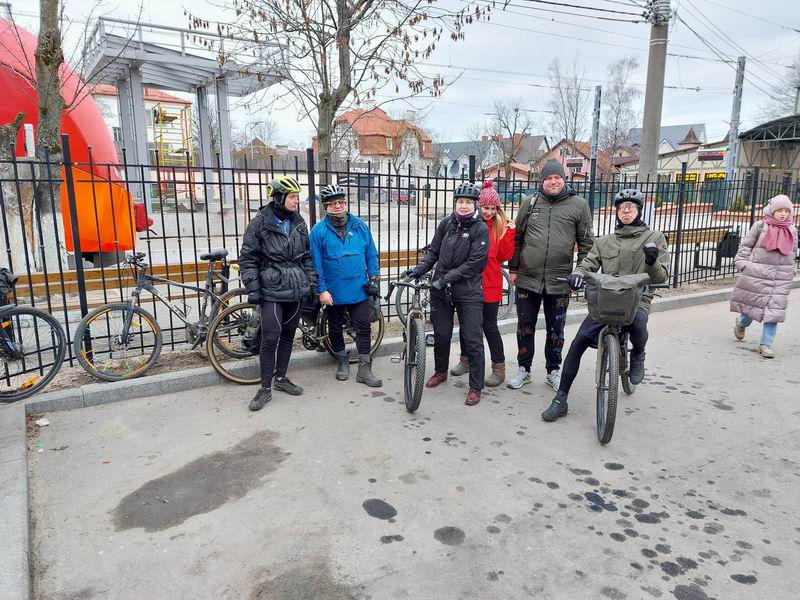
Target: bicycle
<point x="130" y="338"/>
<point x="32" y="349"/>
<point x="415" y="339"/>
<point x="234" y="339"/>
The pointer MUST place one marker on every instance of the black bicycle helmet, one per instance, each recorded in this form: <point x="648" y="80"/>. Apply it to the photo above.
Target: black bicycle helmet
<point x="331" y="192"/>
<point x="468" y="189"/>
<point x="629" y="195"/>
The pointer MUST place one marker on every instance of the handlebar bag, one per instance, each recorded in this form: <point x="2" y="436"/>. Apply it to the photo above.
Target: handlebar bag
<point x="614" y="300"/>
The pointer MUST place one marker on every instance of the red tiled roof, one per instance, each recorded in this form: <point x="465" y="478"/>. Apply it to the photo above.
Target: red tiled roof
<point x="152" y="94"/>
<point x="374" y="126"/>
<point x="604" y="162"/>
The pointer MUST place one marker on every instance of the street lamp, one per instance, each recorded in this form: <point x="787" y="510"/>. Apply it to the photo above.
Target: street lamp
<point x="252" y="124"/>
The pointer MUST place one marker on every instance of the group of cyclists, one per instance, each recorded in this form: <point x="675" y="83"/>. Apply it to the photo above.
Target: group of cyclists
<point x="282" y="265"/>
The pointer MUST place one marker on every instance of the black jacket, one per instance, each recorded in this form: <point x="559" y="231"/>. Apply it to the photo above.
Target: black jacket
<point x="460" y="250"/>
<point x="276" y="266"/>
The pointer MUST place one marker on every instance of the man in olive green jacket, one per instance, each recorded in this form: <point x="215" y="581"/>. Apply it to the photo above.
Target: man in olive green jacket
<point x="633" y="248"/>
<point x="548" y="227"/>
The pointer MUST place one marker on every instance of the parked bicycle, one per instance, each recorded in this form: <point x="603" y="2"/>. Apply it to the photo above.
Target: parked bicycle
<point x="121" y="340"/>
<point x="234" y="338"/>
<point x="415" y="340"/>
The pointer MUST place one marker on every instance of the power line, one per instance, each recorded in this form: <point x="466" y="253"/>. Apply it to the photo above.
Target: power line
<point x="565" y="5"/>
<point x="741" y="12"/>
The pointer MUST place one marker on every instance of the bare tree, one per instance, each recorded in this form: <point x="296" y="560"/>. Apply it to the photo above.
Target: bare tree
<point x="783" y="95"/>
<point x="477" y="133"/>
<point x="266" y="130"/>
<point x="619" y="115"/>
<point x="334" y="53"/>
<point x="510" y="124"/>
<point x="569" y="101"/>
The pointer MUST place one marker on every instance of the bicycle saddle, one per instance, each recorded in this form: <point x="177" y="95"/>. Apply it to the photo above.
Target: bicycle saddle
<point x="217" y="254"/>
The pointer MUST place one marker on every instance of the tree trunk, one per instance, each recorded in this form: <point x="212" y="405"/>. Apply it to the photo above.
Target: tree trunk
<point x="47" y="198"/>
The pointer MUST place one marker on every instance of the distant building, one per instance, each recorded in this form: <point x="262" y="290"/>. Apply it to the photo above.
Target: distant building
<point x="672" y="137"/>
<point x="705" y="162"/>
<point x="575" y="157"/>
<point x="452" y="158"/>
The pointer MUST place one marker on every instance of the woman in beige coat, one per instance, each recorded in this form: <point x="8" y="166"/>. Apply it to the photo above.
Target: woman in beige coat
<point x="766" y="259"/>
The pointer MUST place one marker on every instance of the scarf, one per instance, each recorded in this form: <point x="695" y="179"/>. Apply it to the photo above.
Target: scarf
<point x="464" y="218"/>
<point x="339" y="223"/>
<point x="280" y="210"/>
<point x="779" y="235"/>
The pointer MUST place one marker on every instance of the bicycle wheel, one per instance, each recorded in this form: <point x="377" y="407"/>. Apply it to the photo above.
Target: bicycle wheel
<point x="226" y="351"/>
<point x="117" y="355"/>
<point x="32" y="348"/>
<point x="377" y="329"/>
<point x="624" y="368"/>
<point x="607" y="388"/>
<point x="402" y="302"/>
<point x="414" y="371"/>
<point x="509" y="296"/>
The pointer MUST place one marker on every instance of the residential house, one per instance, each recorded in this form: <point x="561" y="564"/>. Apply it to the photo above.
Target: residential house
<point x="452" y="158"/>
<point x="672" y="137"/>
<point x="705" y="162"/>
<point x="169" y="122"/>
<point x="575" y="157"/>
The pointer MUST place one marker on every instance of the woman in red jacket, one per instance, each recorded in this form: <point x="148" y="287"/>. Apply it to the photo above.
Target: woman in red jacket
<point x="501" y="249"/>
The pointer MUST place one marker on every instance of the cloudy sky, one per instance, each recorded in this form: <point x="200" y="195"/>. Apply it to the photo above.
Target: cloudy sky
<point x="508" y="57"/>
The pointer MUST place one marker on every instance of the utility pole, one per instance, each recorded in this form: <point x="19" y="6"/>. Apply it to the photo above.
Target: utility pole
<point x="598" y="91"/>
<point x="733" y="134"/>
<point x="654" y="92"/>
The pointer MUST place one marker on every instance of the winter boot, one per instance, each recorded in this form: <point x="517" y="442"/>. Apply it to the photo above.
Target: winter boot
<point x="473" y="397"/>
<point x="263" y="396"/>
<point x="636" y="370"/>
<point x="498" y="375"/>
<point x="766" y="351"/>
<point x="558" y="408"/>
<point x="461" y="368"/>
<point x="342" y="366"/>
<point x="285" y="385"/>
<point x="738" y="330"/>
<point x="436" y="379"/>
<point x="364" y="374"/>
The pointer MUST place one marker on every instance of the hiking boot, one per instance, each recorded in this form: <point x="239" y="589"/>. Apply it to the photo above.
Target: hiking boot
<point x="519" y="379"/>
<point x="364" y="374"/>
<point x="558" y="408"/>
<point x="342" y="366"/>
<point x="766" y="352"/>
<point x="283" y="384"/>
<point x="473" y="397"/>
<point x="461" y="368"/>
<point x="436" y="379"/>
<point x="738" y="330"/>
<point x="636" y="369"/>
<point x="263" y="396"/>
<point x="553" y="379"/>
<point x="498" y="375"/>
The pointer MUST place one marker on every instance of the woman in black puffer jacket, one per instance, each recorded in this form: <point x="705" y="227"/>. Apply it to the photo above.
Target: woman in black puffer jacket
<point x="275" y="267"/>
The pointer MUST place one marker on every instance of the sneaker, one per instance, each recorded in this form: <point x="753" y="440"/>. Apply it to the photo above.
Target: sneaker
<point x="436" y="379"/>
<point x="636" y="369"/>
<point x="558" y="408"/>
<point x="766" y="352"/>
<point x="738" y="331"/>
<point x="519" y="379"/>
<point x="285" y="385"/>
<point x="553" y="379"/>
<point x="263" y="396"/>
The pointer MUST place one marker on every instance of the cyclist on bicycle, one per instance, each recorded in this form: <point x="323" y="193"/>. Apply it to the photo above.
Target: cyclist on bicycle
<point x="346" y="261"/>
<point x="632" y="248"/>
<point x="460" y="249"/>
<point x="276" y="268"/>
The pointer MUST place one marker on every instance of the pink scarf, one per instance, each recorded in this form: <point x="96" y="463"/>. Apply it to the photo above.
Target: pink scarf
<point x="778" y="236"/>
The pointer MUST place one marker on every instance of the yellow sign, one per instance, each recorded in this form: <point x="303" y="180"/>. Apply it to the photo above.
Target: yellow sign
<point x="714" y="175"/>
<point x="689" y="177"/>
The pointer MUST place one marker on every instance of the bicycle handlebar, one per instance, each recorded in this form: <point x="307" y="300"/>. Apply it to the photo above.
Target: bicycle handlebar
<point x="649" y="285"/>
<point x="422" y="284"/>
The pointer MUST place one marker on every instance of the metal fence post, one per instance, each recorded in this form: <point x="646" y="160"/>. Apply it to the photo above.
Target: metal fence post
<point x="754" y="197"/>
<point x="312" y="188"/>
<point x="681" y="192"/>
<point x="472" y="168"/>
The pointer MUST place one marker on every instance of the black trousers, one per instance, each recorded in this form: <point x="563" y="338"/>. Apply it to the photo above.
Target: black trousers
<point x="490" y="331"/>
<point x="278" y="324"/>
<point x="555" y="317"/>
<point x="587" y="338"/>
<point x="470" y="317"/>
<point x="359" y="316"/>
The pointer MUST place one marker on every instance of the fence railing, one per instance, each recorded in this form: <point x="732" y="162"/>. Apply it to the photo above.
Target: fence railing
<point x="66" y="226"/>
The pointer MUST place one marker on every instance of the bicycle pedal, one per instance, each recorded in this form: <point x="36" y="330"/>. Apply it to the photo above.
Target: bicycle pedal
<point x="429" y="340"/>
<point x="396" y="358"/>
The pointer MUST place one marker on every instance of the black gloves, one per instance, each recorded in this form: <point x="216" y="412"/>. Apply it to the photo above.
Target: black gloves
<point x="409" y="273"/>
<point x="373" y="287"/>
<point x="650" y="253"/>
<point x="254" y="297"/>
<point x="575" y="281"/>
<point x="438" y="285"/>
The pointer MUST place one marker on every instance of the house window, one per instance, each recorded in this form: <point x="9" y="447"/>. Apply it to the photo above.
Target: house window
<point x="117" y="133"/>
<point x="389" y="142"/>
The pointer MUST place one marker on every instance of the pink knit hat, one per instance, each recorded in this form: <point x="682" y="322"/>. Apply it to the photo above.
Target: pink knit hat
<point x="488" y="195"/>
<point x="776" y="203"/>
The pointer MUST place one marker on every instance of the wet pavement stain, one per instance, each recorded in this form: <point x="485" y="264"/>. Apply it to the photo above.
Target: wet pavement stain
<point x="745" y="579"/>
<point x="614" y="466"/>
<point x="449" y="536"/>
<point x="307" y="581"/>
<point x="388" y="539"/>
<point x="599" y="502"/>
<point x="200" y="486"/>
<point x="379" y="509"/>
<point x="689" y="592"/>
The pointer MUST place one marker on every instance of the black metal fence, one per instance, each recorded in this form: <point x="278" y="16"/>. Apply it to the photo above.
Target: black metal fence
<point x="181" y="211"/>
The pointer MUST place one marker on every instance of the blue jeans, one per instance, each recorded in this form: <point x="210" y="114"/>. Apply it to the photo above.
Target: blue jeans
<point x="767" y="333"/>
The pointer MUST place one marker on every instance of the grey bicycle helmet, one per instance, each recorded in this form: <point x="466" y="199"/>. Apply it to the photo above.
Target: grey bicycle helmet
<point x="468" y="189"/>
<point x="331" y="192"/>
<point x="629" y="195"/>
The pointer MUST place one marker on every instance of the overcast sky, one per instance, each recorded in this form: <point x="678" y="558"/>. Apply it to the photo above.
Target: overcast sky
<point x="507" y="57"/>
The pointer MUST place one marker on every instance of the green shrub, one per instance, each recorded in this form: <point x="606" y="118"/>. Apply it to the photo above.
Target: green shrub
<point x="738" y="205"/>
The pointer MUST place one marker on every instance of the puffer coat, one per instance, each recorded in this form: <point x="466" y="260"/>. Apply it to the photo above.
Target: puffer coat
<point x="762" y="291"/>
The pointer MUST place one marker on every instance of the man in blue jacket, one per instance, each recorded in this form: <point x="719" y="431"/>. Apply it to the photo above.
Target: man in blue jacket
<point x="346" y="261"/>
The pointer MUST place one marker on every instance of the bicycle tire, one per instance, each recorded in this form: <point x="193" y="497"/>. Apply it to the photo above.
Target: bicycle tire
<point x="58" y="352"/>
<point x="511" y="294"/>
<point x="624" y="368"/>
<point x="402" y="304"/>
<point x="349" y="330"/>
<point x="233" y="370"/>
<point x="414" y="370"/>
<point x="83" y="329"/>
<point x="607" y="394"/>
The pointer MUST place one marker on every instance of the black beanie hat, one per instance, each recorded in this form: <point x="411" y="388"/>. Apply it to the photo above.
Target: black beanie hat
<point x="553" y="167"/>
